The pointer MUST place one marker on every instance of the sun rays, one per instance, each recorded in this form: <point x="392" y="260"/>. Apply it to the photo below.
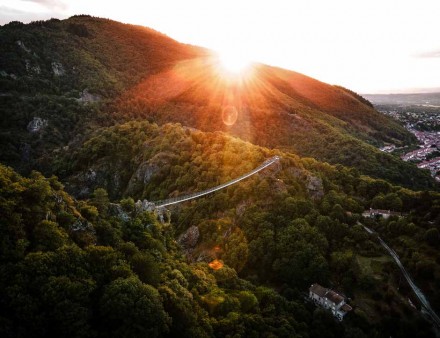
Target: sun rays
<point x="234" y="63"/>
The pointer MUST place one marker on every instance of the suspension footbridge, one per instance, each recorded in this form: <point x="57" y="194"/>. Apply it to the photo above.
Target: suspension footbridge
<point x="179" y="199"/>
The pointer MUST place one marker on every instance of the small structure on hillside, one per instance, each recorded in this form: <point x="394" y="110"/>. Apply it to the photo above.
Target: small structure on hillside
<point x="373" y="213"/>
<point x="329" y="300"/>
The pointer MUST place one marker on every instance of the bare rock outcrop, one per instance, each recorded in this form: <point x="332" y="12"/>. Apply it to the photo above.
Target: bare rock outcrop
<point x="116" y="210"/>
<point x="32" y="69"/>
<point x="147" y="170"/>
<point x="22" y="46"/>
<point x="36" y="125"/>
<point x="314" y="187"/>
<point x="58" y="69"/>
<point x="188" y="240"/>
<point x="87" y="97"/>
<point x="279" y="186"/>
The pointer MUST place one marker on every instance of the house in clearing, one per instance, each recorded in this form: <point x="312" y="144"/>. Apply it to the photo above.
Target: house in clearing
<point x="329" y="300"/>
<point x="374" y="213"/>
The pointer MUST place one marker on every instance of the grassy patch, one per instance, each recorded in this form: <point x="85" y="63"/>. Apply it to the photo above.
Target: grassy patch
<point x="372" y="266"/>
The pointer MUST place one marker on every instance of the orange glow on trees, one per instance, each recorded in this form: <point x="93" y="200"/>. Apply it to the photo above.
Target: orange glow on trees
<point x="216" y="264"/>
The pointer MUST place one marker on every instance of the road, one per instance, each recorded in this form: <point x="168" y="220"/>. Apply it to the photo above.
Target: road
<point x="426" y="307"/>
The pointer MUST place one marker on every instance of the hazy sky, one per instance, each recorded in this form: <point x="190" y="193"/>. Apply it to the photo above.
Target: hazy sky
<point x="368" y="46"/>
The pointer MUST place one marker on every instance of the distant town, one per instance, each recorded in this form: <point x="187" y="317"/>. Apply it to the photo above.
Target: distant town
<point x="421" y="116"/>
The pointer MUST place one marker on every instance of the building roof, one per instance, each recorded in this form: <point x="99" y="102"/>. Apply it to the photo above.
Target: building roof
<point x="318" y="290"/>
<point x="346" y="308"/>
<point x="334" y="297"/>
<point x="384" y="212"/>
<point x="327" y="293"/>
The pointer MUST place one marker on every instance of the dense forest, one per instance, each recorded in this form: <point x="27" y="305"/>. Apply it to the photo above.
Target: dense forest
<point x="97" y="115"/>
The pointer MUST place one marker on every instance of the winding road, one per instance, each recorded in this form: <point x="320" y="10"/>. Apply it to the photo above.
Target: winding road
<point x="426" y="307"/>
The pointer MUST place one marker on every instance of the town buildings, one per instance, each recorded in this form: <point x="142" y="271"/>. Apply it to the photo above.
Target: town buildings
<point x="425" y="127"/>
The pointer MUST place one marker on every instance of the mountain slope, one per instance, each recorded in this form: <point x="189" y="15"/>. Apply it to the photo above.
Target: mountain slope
<point x="64" y="72"/>
<point x="278" y="109"/>
<point x="81" y="73"/>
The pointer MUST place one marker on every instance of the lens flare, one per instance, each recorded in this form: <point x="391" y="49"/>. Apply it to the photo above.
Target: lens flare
<point x="216" y="264"/>
<point x="229" y="115"/>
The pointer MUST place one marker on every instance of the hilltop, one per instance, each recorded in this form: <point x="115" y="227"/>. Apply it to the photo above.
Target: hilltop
<point x="93" y="72"/>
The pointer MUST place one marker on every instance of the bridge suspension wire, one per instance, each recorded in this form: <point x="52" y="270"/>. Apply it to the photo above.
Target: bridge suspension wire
<point x="180" y="199"/>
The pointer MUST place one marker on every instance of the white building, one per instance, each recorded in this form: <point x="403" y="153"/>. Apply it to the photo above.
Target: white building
<point x="373" y="213"/>
<point x="329" y="300"/>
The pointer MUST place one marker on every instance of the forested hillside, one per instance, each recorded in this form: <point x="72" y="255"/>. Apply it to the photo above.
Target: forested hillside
<point x="84" y="72"/>
<point x="97" y="115"/>
<point x="81" y="267"/>
<point x="65" y="72"/>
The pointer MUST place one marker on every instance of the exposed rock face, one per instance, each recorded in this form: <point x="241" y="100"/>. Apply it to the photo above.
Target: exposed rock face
<point x="58" y="69"/>
<point x="36" y="125"/>
<point x="205" y="256"/>
<point x="144" y="206"/>
<point x="102" y="174"/>
<point x="116" y="209"/>
<point x="22" y="46"/>
<point x="58" y="198"/>
<point x="116" y="178"/>
<point x="241" y="207"/>
<point x="81" y="225"/>
<point x="87" y="97"/>
<point x="145" y="171"/>
<point x="314" y="187"/>
<point x="83" y="184"/>
<point x="82" y="228"/>
<point x="189" y="239"/>
<point x="90" y="175"/>
<point x="279" y="186"/>
<point x="32" y="69"/>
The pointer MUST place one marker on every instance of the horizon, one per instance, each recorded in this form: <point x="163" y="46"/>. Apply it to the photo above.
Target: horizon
<point x="371" y="48"/>
<point x="413" y="91"/>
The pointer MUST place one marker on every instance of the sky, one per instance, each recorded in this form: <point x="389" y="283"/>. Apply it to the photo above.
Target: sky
<point x="374" y="46"/>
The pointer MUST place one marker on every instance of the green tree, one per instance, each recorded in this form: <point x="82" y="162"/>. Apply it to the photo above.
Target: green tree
<point x="127" y="204"/>
<point x="49" y="236"/>
<point x="392" y="201"/>
<point x="147" y="269"/>
<point x="100" y="200"/>
<point x="129" y="308"/>
<point x="248" y="301"/>
<point x="432" y="237"/>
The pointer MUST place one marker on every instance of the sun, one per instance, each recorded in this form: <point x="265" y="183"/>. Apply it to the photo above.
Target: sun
<point x="234" y="63"/>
